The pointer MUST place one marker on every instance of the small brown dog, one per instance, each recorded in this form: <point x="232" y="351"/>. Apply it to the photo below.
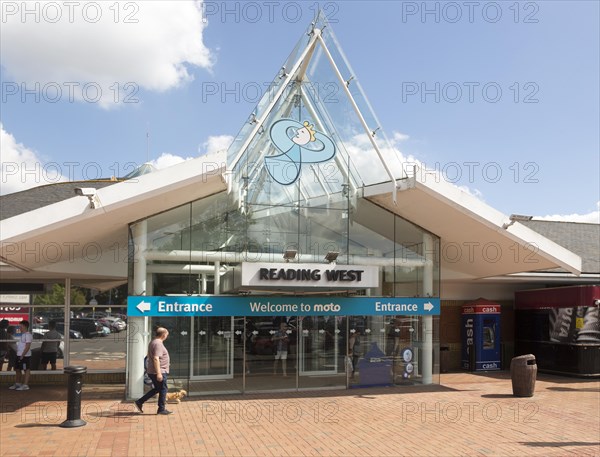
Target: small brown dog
<point x="175" y="397"/>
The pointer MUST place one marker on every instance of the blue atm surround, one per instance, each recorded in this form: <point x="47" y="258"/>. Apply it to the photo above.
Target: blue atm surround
<point x="481" y="349"/>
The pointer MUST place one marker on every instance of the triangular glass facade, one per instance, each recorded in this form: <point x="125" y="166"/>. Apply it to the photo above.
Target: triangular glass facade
<point x="289" y="190"/>
<point x="316" y="84"/>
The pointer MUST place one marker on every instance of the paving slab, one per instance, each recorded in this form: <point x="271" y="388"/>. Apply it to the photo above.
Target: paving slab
<point x="468" y="414"/>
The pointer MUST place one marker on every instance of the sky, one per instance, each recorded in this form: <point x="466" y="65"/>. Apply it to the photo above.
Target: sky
<point x="500" y="97"/>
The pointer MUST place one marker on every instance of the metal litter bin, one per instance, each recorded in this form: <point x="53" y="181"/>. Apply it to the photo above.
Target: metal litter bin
<point x="74" y="419"/>
<point x="523" y="371"/>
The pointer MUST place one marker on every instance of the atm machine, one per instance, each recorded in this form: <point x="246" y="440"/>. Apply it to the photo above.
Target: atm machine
<point x="481" y="349"/>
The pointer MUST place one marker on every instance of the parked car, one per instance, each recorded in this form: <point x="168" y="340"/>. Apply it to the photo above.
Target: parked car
<point x="89" y="328"/>
<point x="60" y="327"/>
<point x="96" y="315"/>
<point x="114" y="323"/>
<point x="261" y="339"/>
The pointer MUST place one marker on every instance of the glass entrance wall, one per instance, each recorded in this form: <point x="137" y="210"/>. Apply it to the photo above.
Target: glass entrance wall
<point x="192" y="249"/>
<point x="218" y="355"/>
<point x="186" y="247"/>
<point x="387" y="350"/>
<point x="206" y="353"/>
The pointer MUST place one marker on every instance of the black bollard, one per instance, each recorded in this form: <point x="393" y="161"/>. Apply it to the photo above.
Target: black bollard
<point x="74" y="400"/>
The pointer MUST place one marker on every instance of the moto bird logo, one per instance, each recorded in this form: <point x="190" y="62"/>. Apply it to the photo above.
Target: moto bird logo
<point x="298" y="144"/>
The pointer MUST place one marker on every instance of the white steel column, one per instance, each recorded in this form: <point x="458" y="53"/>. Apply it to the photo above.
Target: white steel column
<point x="217" y="278"/>
<point x="427" y="322"/>
<point x="136" y="329"/>
<point x="67" y="319"/>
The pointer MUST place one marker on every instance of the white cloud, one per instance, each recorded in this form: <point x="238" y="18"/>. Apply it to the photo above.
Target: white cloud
<point x="22" y="168"/>
<point x="118" y="47"/>
<point x="367" y="162"/>
<point x="592" y="217"/>
<point x="369" y="165"/>
<point x="372" y="170"/>
<point x="216" y="143"/>
<point x="212" y="145"/>
<point x="398" y="137"/>
<point x="166" y="160"/>
<point x="473" y="192"/>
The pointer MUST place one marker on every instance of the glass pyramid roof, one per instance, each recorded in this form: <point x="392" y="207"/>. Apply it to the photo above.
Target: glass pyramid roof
<point x="315" y="91"/>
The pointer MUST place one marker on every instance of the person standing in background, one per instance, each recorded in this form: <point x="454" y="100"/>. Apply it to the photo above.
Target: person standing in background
<point x="280" y="338"/>
<point x="354" y="350"/>
<point x="50" y="348"/>
<point x="12" y="348"/>
<point x="23" y="358"/>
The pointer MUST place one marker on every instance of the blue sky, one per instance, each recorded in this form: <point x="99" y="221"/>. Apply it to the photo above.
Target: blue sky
<point x="502" y="96"/>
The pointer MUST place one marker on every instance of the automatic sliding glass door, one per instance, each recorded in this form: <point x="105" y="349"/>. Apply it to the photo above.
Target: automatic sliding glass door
<point x="320" y="347"/>
<point x="213" y="348"/>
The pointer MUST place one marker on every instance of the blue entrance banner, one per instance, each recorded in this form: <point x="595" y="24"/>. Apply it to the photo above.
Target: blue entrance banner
<point x="248" y="305"/>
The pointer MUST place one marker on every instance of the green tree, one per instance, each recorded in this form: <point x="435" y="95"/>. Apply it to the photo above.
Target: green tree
<point x="116" y="296"/>
<point x="57" y="297"/>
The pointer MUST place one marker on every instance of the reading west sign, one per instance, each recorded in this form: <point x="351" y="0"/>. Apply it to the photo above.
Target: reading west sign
<point x="295" y="275"/>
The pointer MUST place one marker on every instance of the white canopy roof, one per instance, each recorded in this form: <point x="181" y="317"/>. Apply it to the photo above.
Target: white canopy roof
<point x="89" y="245"/>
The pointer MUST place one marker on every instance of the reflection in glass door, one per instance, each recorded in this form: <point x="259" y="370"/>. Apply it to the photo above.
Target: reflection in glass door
<point x="270" y="351"/>
<point x="212" y="343"/>
<point x="319" y="345"/>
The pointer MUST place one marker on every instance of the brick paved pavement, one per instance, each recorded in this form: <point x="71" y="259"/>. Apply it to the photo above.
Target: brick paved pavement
<point x="468" y="415"/>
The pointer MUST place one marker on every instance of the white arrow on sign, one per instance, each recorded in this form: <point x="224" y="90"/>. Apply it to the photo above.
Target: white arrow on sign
<point x="183" y="333"/>
<point x="143" y="306"/>
<point x="238" y="332"/>
<point x="428" y="306"/>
